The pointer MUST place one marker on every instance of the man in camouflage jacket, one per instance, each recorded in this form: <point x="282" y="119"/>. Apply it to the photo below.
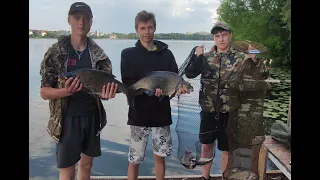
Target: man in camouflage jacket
<point x="76" y="117"/>
<point x="220" y="68"/>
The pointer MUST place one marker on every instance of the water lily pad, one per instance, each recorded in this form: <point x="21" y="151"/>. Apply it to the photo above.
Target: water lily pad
<point x="283" y="113"/>
<point x="283" y="110"/>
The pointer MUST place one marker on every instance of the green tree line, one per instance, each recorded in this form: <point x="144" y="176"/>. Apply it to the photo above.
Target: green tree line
<point x="162" y="36"/>
<point x="264" y="21"/>
<point x="166" y="36"/>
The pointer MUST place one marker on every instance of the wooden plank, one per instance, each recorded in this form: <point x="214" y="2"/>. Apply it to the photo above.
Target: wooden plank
<point x="279" y="150"/>
<point x="273" y="174"/>
<point x="279" y="154"/>
<point x="262" y="165"/>
<point x="271" y="80"/>
<point x="289" y="114"/>
<point x="280" y="165"/>
<point x="186" y="177"/>
<point x="283" y="156"/>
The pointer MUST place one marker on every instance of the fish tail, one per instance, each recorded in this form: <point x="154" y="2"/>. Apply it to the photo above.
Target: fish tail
<point x="130" y="96"/>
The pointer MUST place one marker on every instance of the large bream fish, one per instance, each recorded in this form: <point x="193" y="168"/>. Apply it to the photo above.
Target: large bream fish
<point x="168" y="82"/>
<point x="93" y="81"/>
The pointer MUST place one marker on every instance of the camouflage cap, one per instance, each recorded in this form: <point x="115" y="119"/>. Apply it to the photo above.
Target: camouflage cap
<point x="220" y="24"/>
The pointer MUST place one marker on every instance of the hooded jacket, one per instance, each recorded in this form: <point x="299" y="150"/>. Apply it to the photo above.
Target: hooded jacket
<point x="53" y="64"/>
<point x="219" y="72"/>
<point x="136" y="62"/>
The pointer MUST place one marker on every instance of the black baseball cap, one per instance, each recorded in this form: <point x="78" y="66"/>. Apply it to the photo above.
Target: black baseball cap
<point x="80" y="6"/>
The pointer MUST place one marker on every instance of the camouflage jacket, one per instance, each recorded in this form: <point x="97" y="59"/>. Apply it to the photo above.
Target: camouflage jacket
<point x="55" y="63"/>
<point x="219" y="75"/>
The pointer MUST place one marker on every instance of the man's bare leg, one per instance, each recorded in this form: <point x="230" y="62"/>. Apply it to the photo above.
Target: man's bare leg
<point x="160" y="167"/>
<point x="133" y="170"/>
<point x="207" y="152"/>
<point x="84" y="168"/>
<point x="224" y="160"/>
<point x="67" y="173"/>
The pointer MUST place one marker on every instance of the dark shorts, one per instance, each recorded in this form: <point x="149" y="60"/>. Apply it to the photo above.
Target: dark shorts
<point x="79" y="135"/>
<point x="212" y="129"/>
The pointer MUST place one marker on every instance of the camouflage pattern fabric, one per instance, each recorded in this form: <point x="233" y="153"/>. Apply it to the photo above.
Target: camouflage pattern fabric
<point x="245" y="130"/>
<point x="54" y="63"/>
<point x="217" y="76"/>
<point x="220" y="24"/>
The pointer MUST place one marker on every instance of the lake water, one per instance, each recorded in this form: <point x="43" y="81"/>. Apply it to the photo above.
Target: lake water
<point x="114" y="137"/>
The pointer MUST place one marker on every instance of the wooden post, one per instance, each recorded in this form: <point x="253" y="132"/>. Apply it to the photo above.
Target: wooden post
<point x="262" y="165"/>
<point x="289" y="114"/>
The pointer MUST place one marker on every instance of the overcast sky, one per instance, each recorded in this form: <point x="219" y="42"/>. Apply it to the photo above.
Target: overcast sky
<point x="118" y="15"/>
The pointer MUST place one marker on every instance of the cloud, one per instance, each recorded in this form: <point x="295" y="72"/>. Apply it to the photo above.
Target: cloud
<point x="189" y="9"/>
<point x="118" y="15"/>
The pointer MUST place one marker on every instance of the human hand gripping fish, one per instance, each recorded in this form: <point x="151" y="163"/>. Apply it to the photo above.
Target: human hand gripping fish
<point x="251" y="47"/>
<point x="158" y="92"/>
<point x="73" y="85"/>
<point x="182" y="90"/>
<point x="109" y="90"/>
<point x="97" y="82"/>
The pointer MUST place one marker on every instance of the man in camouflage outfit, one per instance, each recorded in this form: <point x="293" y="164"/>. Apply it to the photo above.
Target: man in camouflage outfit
<point x="218" y="66"/>
<point x="76" y="117"/>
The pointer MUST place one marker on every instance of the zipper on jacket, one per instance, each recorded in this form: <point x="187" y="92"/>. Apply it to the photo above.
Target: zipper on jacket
<point x="94" y="64"/>
<point x="218" y="92"/>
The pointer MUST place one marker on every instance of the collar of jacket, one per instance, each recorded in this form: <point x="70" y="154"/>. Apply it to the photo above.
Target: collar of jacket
<point x="95" y="51"/>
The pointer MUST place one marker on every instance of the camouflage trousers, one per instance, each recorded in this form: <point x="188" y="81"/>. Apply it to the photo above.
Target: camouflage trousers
<point x="161" y="142"/>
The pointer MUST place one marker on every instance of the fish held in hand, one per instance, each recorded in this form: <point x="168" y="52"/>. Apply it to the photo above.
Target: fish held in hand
<point x="93" y="81"/>
<point x="243" y="45"/>
<point x="168" y="82"/>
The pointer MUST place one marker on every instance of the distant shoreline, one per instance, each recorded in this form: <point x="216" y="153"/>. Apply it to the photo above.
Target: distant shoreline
<point x="131" y="39"/>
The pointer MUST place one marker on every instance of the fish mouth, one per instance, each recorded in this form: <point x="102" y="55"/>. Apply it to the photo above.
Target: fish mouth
<point x="188" y="87"/>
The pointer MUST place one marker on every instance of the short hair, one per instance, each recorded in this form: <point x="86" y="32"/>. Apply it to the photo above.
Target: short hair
<point x="144" y="16"/>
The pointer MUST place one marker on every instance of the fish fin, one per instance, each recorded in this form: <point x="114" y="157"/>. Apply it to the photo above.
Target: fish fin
<point x="85" y="90"/>
<point x="130" y="97"/>
<point x="111" y="75"/>
<point x="153" y="72"/>
<point x="88" y="91"/>
<point x="138" y="92"/>
<point x="148" y="92"/>
<point x="104" y="72"/>
<point x="142" y="91"/>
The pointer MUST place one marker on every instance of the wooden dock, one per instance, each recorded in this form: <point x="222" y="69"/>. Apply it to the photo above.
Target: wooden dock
<point x="271" y="149"/>
<point x="278" y="153"/>
<point x="270" y="175"/>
